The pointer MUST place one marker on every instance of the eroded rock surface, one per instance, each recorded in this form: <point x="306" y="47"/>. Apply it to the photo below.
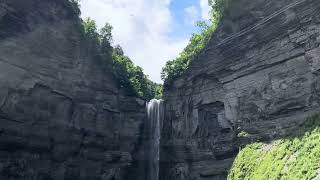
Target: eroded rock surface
<point x="257" y="79"/>
<point x="61" y="113"/>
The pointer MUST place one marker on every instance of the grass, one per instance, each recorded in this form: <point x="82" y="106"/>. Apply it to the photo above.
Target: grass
<point x="292" y="158"/>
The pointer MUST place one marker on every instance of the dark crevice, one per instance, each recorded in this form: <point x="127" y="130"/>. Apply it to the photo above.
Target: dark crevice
<point x="6" y="117"/>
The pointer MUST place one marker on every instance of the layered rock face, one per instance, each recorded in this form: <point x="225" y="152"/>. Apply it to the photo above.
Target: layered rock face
<point x="61" y="113"/>
<point x="257" y="79"/>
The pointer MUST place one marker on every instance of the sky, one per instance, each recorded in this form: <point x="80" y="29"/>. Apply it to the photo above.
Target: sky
<point x="151" y="32"/>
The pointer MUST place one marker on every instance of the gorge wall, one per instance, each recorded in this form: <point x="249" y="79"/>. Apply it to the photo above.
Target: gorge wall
<point x="257" y="79"/>
<point x="62" y="115"/>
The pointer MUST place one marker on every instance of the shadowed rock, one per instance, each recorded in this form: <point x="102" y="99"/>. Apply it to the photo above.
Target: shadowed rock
<point x="257" y="79"/>
<point x="61" y="113"/>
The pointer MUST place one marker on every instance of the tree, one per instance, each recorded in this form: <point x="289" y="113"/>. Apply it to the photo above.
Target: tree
<point x="177" y="67"/>
<point x="132" y="78"/>
<point x="106" y="38"/>
<point x="129" y="76"/>
<point x="118" y="50"/>
<point x="90" y="29"/>
<point x="203" y="25"/>
<point x="106" y="33"/>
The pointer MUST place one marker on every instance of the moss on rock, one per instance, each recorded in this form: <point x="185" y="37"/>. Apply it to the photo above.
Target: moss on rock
<point x="291" y="158"/>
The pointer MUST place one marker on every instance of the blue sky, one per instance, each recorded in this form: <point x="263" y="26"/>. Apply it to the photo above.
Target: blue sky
<point x="178" y="8"/>
<point x="151" y="32"/>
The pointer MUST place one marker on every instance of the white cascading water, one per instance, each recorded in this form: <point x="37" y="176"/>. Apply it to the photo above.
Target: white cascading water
<point x="155" y="115"/>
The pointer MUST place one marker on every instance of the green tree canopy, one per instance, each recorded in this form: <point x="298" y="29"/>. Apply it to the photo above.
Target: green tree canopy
<point x="90" y="29"/>
<point x="129" y="76"/>
<point x="177" y="67"/>
<point x="106" y="37"/>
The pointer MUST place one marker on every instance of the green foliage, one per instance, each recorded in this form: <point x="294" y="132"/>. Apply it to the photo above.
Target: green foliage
<point x="129" y="76"/>
<point x="294" y="158"/>
<point x="132" y="78"/>
<point x="106" y="37"/>
<point x="177" y="67"/>
<point x="158" y="91"/>
<point x="218" y="9"/>
<point x="90" y="30"/>
<point x="106" y="33"/>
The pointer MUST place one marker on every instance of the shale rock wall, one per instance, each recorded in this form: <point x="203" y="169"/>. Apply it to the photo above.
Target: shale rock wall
<point x="257" y="79"/>
<point x="61" y="113"/>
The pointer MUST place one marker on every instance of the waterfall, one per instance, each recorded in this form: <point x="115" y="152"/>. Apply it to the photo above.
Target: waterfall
<point x="155" y="115"/>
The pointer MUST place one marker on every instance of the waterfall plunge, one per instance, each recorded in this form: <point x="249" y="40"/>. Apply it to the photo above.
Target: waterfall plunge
<point x="155" y="115"/>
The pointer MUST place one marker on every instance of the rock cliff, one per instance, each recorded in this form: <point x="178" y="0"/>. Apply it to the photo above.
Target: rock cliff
<point x="62" y="115"/>
<point x="257" y="79"/>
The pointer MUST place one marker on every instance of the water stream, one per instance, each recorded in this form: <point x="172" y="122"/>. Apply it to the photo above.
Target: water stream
<point x="155" y="115"/>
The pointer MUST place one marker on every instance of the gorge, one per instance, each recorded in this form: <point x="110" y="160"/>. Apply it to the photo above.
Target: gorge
<point x="63" y="115"/>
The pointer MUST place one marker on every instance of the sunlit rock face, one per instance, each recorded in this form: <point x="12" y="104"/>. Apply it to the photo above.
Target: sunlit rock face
<point x="257" y="79"/>
<point x="62" y="116"/>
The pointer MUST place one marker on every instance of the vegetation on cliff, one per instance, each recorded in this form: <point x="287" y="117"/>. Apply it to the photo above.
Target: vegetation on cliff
<point x="132" y="77"/>
<point x="292" y="158"/>
<point x="177" y="67"/>
<point x="129" y="76"/>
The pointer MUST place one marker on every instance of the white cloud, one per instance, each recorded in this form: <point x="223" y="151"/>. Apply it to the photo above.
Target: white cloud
<point x="141" y="27"/>
<point x="192" y="15"/>
<point x="205" y="9"/>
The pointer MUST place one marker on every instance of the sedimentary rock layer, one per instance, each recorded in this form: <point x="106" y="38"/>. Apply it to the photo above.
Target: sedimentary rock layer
<point x="257" y="79"/>
<point x="61" y="113"/>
